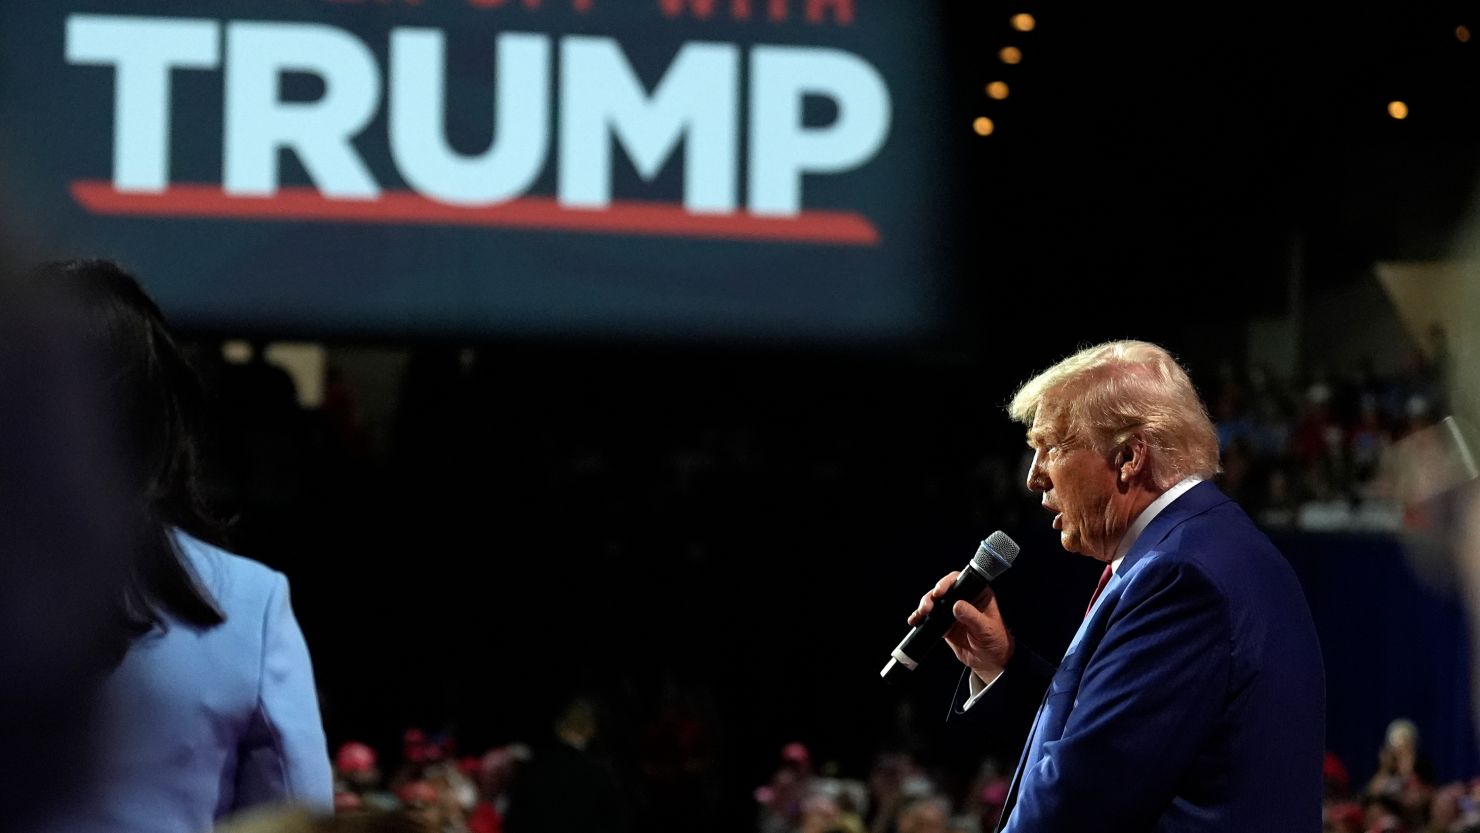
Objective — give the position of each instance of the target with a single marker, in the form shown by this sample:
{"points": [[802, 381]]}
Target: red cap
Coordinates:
{"points": [[354, 757], [414, 746], [1332, 769], [795, 753]]}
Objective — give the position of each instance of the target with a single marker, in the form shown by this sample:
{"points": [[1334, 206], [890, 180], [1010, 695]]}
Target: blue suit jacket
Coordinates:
{"points": [[1192, 697], [200, 723]]}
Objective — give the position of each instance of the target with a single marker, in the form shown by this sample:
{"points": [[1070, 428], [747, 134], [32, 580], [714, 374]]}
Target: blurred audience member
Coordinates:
{"points": [[1334, 774], [895, 781], [355, 766], [820, 814], [782, 799], [1445, 812], [421, 802], [496, 773], [433, 805], [924, 815], [564, 788], [988, 795], [1404, 778], [1384, 815], [357, 774], [1347, 817], [1400, 766]]}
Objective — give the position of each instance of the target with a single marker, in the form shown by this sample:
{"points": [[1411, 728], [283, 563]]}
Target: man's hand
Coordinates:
{"points": [[980, 638]]}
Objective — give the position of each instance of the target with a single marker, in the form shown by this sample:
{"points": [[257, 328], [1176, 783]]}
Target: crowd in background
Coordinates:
{"points": [[900, 797], [1302, 452], [1402, 796], [1309, 452], [516, 788], [510, 789]]}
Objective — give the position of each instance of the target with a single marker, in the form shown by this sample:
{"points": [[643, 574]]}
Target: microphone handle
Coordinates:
{"points": [[925, 635]]}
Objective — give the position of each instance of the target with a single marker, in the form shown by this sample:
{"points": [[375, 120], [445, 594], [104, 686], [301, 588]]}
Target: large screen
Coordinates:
{"points": [[745, 168]]}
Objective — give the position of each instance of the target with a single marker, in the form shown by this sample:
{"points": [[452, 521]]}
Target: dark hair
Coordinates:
{"points": [[156, 403]]}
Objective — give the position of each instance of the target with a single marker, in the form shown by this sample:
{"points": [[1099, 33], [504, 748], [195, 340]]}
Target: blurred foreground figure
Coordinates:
{"points": [[210, 704], [62, 516]]}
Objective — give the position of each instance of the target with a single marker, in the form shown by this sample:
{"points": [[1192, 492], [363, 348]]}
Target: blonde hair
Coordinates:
{"points": [[1114, 391]]}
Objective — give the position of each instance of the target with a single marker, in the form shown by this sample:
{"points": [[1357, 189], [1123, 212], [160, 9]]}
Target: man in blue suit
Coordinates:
{"points": [[1192, 697]]}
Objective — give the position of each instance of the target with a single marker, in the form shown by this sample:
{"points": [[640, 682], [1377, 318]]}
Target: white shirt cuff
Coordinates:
{"points": [[978, 688]]}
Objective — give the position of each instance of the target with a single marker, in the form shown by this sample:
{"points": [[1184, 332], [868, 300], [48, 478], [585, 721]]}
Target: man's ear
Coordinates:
{"points": [[1131, 458]]}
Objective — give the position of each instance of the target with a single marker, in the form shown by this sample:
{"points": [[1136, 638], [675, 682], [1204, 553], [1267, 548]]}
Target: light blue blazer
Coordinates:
{"points": [[201, 723]]}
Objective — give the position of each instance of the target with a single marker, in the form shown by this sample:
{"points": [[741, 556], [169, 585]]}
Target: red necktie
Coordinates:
{"points": [[1104, 580]]}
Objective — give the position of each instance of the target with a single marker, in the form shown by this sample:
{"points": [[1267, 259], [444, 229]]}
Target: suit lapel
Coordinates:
{"points": [[1197, 500]]}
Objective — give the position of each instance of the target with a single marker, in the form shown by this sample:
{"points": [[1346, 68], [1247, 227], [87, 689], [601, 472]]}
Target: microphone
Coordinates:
{"points": [[992, 559]]}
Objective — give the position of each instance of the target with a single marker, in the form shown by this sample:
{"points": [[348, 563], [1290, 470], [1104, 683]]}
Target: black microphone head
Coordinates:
{"points": [[995, 555]]}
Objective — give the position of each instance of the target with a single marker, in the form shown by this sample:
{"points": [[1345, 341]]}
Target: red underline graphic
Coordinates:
{"points": [[543, 213]]}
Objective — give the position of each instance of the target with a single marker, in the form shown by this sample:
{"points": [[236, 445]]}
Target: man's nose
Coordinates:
{"points": [[1037, 482]]}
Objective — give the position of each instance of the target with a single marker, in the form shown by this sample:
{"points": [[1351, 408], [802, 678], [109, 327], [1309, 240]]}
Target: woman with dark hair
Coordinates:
{"points": [[211, 707]]}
